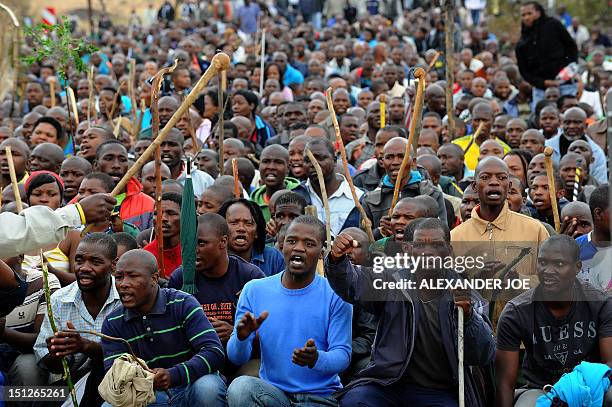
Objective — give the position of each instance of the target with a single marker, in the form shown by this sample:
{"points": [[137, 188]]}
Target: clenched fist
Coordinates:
{"points": [[343, 245]]}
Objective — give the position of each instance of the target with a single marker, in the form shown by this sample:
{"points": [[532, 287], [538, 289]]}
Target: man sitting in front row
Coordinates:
{"points": [[168, 330], [561, 322], [304, 329]]}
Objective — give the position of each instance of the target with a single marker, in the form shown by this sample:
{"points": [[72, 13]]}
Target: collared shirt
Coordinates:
{"points": [[340, 204], [270, 261], [68, 305], [200, 180], [175, 335]]}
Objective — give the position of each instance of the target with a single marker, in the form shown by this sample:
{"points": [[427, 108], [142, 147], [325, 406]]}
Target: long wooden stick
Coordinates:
{"points": [[220, 62], [460, 353], [138, 124], [221, 113], [416, 114], [262, 62], [14, 184], [73, 105], [366, 223], [383, 111], [433, 62], [235, 174], [52, 90], [474, 137], [91, 105], [155, 89], [115, 100], [132, 95], [449, 41], [323, 198], [548, 152], [65, 367]]}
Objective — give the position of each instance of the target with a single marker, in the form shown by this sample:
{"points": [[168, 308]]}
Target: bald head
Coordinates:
{"points": [[137, 259], [491, 148], [46, 156], [491, 163], [275, 151]]}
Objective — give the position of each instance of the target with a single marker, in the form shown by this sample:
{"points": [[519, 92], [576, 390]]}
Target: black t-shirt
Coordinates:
{"points": [[555, 346], [219, 296]]}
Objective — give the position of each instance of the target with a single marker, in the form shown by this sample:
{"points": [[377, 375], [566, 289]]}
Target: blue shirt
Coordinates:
{"points": [[295, 316], [292, 76], [248, 17], [175, 335], [270, 261]]}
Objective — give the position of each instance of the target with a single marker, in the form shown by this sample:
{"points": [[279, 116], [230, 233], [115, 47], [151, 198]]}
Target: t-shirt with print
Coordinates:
{"points": [[219, 296], [555, 346], [596, 263]]}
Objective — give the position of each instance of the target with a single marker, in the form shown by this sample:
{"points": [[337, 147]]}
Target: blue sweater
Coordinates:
{"points": [[295, 316]]}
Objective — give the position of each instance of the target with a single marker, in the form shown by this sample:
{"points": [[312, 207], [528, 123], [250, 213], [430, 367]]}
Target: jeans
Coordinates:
{"points": [[252, 391], [475, 16], [209, 390], [538, 94], [400, 394]]}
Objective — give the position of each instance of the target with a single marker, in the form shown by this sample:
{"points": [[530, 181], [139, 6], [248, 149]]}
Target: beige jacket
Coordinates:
{"points": [[35, 228]]}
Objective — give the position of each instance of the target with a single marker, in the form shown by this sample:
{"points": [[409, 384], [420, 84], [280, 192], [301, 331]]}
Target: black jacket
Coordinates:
{"points": [[398, 318], [369, 179], [543, 50]]}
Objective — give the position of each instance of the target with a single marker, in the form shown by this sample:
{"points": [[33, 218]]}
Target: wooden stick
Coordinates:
{"points": [[262, 62], [117, 127], [433, 62], [460, 353], [65, 367], [115, 99], [449, 41], [220, 62], [474, 137], [323, 198], [52, 90], [548, 152], [237, 187], [383, 108], [138, 124], [14, 184], [91, 105], [222, 90], [73, 104], [132, 94], [366, 223], [416, 114]]}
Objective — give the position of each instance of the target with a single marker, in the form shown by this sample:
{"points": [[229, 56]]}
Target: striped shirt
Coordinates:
{"points": [[175, 335]]}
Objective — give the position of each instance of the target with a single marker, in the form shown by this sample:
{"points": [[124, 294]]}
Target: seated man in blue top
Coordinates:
{"points": [[300, 362], [168, 330]]}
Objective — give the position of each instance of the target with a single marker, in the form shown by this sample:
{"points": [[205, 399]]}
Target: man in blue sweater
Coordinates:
{"points": [[168, 330], [304, 329]]}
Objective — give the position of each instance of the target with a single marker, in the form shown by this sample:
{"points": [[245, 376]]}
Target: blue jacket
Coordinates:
{"points": [[398, 320], [598, 168], [263, 131], [585, 386]]}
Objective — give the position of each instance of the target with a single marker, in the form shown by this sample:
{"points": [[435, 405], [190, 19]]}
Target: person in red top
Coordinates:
{"points": [[171, 230], [134, 206]]}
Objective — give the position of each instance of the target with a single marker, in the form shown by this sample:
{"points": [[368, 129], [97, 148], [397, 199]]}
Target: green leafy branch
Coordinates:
{"points": [[56, 43]]}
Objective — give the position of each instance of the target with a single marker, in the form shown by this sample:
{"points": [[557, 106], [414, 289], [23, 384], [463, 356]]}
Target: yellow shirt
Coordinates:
{"points": [[471, 156]]}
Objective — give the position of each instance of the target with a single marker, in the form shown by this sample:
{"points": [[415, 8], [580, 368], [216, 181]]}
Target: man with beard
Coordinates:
{"points": [[92, 138], [416, 366], [574, 126], [171, 229], [368, 179], [273, 169], [561, 323], [82, 305], [46, 156], [172, 153], [133, 205], [72, 172], [343, 212], [296, 157], [147, 177], [168, 329], [219, 276], [377, 203], [373, 118], [321, 322]]}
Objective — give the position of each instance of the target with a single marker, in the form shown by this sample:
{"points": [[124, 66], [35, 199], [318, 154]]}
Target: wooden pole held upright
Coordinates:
{"points": [[324, 198], [236, 175], [548, 152], [14, 183]]}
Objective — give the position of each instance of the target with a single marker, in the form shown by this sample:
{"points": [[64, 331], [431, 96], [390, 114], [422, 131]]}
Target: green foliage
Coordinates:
{"points": [[56, 43]]}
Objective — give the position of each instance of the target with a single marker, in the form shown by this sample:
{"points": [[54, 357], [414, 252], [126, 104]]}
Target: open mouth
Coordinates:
{"points": [[241, 240], [270, 177], [297, 260], [538, 202], [125, 297], [166, 158], [85, 280], [494, 195], [399, 234]]}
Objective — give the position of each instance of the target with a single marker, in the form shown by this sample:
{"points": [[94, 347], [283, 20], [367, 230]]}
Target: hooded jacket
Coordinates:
{"points": [[137, 206]]}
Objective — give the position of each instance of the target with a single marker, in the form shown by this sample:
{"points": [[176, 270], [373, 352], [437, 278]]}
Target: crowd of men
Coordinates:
{"points": [[272, 315]]}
